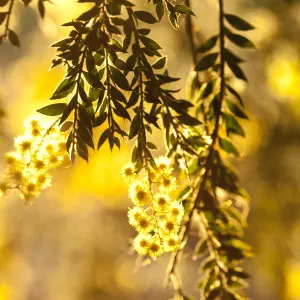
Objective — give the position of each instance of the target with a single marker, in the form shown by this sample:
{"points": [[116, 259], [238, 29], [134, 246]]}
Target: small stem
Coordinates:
{"points": [[77, 92], [209, 161], [141, 83], [9, 13], [190, 33]]}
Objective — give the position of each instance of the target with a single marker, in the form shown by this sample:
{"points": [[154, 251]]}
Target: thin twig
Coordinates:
{"points": [[173, 264], [9, 13]]}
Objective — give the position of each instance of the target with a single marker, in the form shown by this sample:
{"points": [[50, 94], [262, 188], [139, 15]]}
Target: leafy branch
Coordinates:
{"points": [[206, 208]]}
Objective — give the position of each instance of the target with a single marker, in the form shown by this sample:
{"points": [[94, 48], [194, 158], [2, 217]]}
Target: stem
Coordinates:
{"points": [[76, 107], [141, 90], [189, 30], [209, 161], [9, 13]]}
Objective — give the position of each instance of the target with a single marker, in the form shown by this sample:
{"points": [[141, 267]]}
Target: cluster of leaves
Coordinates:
{"points": [[112, 74], [216, 199], [5, 17]]}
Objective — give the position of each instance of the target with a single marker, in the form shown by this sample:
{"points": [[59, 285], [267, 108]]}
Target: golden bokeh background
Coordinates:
{"points": [[74, 242]]}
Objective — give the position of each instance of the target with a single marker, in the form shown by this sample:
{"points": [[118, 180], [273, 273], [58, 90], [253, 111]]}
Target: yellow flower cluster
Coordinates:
{"points": [[40, 149], [155, 215]]}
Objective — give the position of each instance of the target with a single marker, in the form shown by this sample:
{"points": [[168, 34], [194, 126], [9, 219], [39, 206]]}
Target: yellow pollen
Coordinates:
{"points": [[170, 226], [143, 223], [143, 243], [25, 146], [31, 187], [154, 247], [141, 195]]}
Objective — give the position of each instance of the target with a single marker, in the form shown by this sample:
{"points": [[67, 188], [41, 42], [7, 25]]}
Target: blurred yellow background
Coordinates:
{"points": [[74, 242]]}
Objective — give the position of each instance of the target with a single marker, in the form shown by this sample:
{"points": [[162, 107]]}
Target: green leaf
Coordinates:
{"points": [[41, 8], [103, 138], [160, 63], [117, 95], [232, 125], [123, 2], [93, 80], [144, 31], [235, 94], [83, 95], [231, 57], [214, 294], [2, 17], [53, 109], [82, 149], [183, 9], [13, 38], [160, 9], [70, 107], [236, 110], [66, 126], [188, 120], [207, 90], [119, 79], [135, 125], [149, 43], [151, 146], [3, 2], [208, 45], [237, 71], [238, 23], [145, 17], [85, 134], [240, 40], [206, 62], [63, 89], [228, 147]]}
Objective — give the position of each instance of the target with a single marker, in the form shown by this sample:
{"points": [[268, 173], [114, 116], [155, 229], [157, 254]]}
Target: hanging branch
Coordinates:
{"points": [[207, 208]]}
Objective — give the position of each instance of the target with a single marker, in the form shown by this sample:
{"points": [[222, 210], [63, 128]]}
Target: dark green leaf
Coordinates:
{"points": [[236, 110], [2, 17], [63, 89], [160, 63], [188, 120], [119, 78], [85, 134], [145, 17], [103, 138], [232, 125], [117, 95], [13, 38], [160, 9], [228, 147], [123, 2], [208, 45], [82, 149], [206, 62], [41, 8], [183, 9], [149, 43], [240, 40], [3, 2], [238, 23], [53, 109], [66, 126], [235, 94], [237, 71], [231, 57]]}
